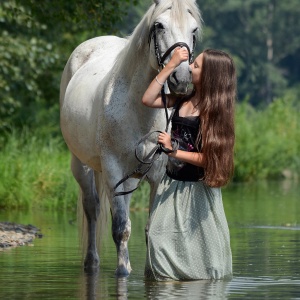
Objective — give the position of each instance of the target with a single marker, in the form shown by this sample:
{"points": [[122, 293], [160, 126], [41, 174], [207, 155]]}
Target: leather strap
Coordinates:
{"points": [[146, 163]]}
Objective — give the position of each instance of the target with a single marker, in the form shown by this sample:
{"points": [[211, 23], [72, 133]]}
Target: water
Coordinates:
{"points": [[265, 238]]}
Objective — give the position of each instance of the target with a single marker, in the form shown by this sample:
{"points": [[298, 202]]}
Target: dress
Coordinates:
{"points": [[187, 233]]}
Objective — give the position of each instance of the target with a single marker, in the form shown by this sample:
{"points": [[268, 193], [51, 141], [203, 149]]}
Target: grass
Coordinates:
{"points": [[35, 171]]}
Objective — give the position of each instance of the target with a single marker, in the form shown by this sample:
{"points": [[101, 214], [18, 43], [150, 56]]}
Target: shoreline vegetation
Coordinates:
{"points": [[35, 169]]}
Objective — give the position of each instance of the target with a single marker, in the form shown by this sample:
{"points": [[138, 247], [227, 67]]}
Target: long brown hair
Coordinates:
{"points": [[217, 93]]}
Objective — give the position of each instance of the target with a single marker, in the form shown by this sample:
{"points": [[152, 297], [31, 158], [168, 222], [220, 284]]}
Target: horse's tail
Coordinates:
{"points": [[102, 221]]}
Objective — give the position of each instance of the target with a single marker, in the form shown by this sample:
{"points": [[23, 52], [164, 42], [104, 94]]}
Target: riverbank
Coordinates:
{"points": [[14, 235]]}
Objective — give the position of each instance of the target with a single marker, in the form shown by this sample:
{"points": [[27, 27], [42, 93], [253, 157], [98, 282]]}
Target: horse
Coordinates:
{"points": [[102, 117]]}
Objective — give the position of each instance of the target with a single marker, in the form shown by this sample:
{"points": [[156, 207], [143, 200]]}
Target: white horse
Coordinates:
{"points": [[102, 117]]}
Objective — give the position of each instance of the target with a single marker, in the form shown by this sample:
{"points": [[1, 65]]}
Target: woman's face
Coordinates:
{"points": [[197, 68]]}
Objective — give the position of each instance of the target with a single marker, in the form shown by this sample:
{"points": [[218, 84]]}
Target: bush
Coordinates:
{"points": [[267, 141]]}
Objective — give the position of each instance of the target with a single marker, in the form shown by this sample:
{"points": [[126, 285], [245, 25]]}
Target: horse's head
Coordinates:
{"points": [[174, 23]]}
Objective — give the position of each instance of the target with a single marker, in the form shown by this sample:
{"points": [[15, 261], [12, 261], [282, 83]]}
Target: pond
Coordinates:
{"points": [[265, 239]]}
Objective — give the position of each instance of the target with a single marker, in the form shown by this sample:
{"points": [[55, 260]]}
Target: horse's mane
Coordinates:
{"points": [[139, 38]]}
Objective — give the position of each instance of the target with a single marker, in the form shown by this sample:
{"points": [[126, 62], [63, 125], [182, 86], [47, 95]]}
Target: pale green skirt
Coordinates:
{"points": [[187, 233]]}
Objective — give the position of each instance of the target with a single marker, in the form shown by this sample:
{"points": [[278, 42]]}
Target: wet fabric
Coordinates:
{"points": [[187, 233]]}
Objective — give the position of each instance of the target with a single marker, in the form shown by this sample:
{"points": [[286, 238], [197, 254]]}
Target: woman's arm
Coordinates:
{"points": [[152, 96], [194, 158]]}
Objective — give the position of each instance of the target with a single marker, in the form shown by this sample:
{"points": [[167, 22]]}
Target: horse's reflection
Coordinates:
{"points": [[93, 288], [91, 285], [122, 290]]}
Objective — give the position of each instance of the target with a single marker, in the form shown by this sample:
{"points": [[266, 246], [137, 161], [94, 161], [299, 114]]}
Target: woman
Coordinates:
{"points": [[187, 234]]}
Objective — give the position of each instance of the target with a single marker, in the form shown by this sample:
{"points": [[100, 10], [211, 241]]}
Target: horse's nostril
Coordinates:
{"points": [[175, 78]]}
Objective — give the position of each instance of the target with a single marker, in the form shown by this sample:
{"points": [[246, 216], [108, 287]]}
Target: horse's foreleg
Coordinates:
{"points": [[121, 229], [91, 206]]}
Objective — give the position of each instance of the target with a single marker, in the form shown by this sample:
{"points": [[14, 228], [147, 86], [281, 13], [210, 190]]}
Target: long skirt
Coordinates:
{"points": [[187, 233]]}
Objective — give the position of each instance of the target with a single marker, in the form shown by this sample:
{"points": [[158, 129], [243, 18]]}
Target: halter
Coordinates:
{"points": [[146, 163], [161, 59]]}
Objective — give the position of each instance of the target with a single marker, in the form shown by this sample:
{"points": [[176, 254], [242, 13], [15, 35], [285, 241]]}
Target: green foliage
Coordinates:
{"points": [[36, 40], [264, 38], [267, 141], [35, 172], [93, 14], [140, 197], [25, 60]]}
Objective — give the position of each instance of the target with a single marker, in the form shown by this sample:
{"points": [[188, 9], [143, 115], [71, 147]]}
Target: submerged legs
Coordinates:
{"points": [[121, 229], [121, 225], [91, 206]]}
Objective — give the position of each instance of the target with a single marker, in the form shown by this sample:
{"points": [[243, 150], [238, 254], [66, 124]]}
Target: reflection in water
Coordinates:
{"points": [[258, 288], [94, 286], [122, 290], [265, 240], [192, 290], [91, 285]]}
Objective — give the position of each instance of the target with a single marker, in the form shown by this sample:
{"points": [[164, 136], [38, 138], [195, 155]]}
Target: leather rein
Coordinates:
{"points": [[146, 163]]}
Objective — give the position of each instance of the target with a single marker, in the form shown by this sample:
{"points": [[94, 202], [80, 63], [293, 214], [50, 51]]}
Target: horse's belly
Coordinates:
{"points": [[79, 112]]}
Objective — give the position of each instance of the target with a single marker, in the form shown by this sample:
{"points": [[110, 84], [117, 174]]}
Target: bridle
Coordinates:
{"points": [[161, 58], [145, 163]]}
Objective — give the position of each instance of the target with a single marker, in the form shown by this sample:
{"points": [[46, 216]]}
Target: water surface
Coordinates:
{"points": [[265, 239]]}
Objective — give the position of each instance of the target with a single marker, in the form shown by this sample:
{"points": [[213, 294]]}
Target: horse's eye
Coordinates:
{"points": [[159, 26], [195, 30]]}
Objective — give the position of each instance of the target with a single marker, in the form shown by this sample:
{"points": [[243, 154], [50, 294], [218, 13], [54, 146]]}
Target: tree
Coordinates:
{"points": [[264, 38], [36, 39]]}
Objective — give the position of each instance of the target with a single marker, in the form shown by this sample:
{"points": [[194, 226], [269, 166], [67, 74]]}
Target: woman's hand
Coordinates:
{"points": [[194, 158], [152, 97], [179, 55], [165, 140]]}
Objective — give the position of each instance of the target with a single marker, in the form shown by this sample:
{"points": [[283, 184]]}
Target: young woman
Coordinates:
{"points": [[187, 234]]}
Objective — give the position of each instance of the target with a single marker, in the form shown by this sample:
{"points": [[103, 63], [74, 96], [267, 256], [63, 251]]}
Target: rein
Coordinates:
{"points": [[146, 163]]}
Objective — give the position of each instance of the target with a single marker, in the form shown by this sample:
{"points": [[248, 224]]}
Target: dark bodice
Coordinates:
{"points": [[185, 131]]}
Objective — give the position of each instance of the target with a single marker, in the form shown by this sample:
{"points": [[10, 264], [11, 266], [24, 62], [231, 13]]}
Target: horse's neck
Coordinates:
{"points": [[141, 74], [135, 80], [150, 119], [138, 76]]}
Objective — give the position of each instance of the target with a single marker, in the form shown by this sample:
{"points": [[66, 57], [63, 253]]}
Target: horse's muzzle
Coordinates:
{"points": [[179, 89]]}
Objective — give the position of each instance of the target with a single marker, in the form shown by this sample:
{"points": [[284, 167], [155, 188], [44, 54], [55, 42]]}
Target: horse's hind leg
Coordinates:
{"points": [[91, 206]]}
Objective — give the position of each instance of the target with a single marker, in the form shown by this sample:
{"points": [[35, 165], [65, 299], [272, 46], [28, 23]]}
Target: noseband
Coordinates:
{"points": [[161, 59]]}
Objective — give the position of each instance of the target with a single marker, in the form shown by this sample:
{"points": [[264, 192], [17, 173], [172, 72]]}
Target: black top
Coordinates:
{"points": [[185, 131]]}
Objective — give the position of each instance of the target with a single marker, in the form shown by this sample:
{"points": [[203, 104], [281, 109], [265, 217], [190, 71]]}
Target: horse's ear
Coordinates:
{"points": [[156, 1]]}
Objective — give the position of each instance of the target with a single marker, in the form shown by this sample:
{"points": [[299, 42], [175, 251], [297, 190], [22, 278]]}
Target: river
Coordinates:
{"points": [[265, 238]]}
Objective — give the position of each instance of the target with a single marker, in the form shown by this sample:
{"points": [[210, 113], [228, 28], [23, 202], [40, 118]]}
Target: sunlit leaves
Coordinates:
{"points": [[36, 39]]}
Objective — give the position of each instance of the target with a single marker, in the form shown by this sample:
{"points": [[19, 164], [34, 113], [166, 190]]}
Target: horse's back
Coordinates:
{"points": [[103, 47], [85, 70]]}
